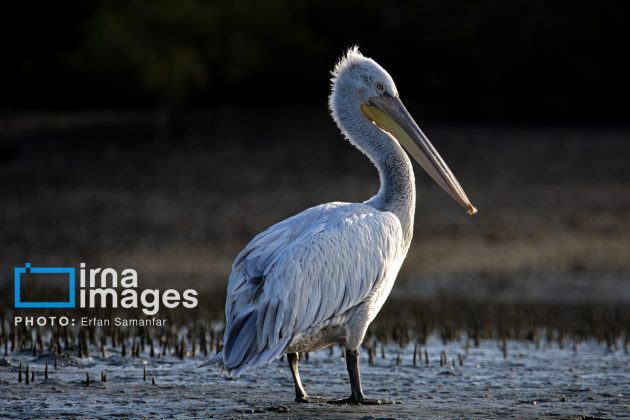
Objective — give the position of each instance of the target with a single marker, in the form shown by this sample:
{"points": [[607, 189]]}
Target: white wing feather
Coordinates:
{"points": [[301, 272]]}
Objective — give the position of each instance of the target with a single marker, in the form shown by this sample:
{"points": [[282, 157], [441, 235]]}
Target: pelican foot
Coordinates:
{"points": [[360, 401], [309, 399]]}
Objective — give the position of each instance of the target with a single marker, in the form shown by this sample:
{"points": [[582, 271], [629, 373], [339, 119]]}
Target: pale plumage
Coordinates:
{"points": [[285, 285], [321, 276]]}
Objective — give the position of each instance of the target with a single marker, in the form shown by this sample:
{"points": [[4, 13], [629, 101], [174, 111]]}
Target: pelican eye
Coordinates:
{"points": [[379, 86]]}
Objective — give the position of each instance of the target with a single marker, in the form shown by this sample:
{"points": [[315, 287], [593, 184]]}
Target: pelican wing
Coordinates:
{"points": [[301, 272]]}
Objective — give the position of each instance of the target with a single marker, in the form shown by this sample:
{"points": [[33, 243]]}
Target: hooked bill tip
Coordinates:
{"points": [[472, 210]]}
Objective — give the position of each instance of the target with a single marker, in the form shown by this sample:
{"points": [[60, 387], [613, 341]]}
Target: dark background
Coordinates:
{"points": [[560, 61], [163, 135]]}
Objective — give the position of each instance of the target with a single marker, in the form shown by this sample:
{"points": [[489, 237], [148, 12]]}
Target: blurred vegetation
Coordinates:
{"points": [[561, 60]]}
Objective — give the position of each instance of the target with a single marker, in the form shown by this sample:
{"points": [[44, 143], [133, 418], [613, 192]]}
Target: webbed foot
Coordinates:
{"points": [[309, 399], [352, 399]]}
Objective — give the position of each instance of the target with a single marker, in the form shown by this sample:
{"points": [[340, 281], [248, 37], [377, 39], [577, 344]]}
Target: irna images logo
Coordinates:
{"points": [[98, 288]]}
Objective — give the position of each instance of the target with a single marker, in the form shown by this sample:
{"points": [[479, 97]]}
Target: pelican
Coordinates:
{"points": [[320, 277]]}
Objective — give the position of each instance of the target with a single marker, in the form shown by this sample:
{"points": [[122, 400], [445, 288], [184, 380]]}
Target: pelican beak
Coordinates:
{"points": [[391, 116]]}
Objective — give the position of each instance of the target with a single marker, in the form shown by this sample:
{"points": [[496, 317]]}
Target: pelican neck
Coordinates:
{"points": [[397, 192]]}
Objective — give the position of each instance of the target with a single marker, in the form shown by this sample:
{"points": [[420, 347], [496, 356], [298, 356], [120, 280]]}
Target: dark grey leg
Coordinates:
{"points": [[356, 395]]}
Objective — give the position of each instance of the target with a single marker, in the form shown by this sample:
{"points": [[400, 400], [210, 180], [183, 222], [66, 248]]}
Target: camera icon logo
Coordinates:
{"points": [[19, 279]]}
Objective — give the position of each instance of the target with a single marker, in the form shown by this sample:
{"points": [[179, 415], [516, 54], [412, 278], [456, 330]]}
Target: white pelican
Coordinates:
{"points": [[320, 277]]}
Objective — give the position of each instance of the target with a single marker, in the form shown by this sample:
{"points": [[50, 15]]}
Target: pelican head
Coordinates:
{"points": [[367, 89]]}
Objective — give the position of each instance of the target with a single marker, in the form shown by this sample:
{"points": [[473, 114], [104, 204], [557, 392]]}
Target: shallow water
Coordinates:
{"points": [[542, 380]]}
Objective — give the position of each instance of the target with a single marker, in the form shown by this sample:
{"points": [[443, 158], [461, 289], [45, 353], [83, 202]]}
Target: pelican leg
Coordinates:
{"points": [[356, 396], [300, 394]]}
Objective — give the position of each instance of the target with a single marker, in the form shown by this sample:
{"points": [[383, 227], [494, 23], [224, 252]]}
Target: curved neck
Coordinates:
{"points": [[397, 193]]}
